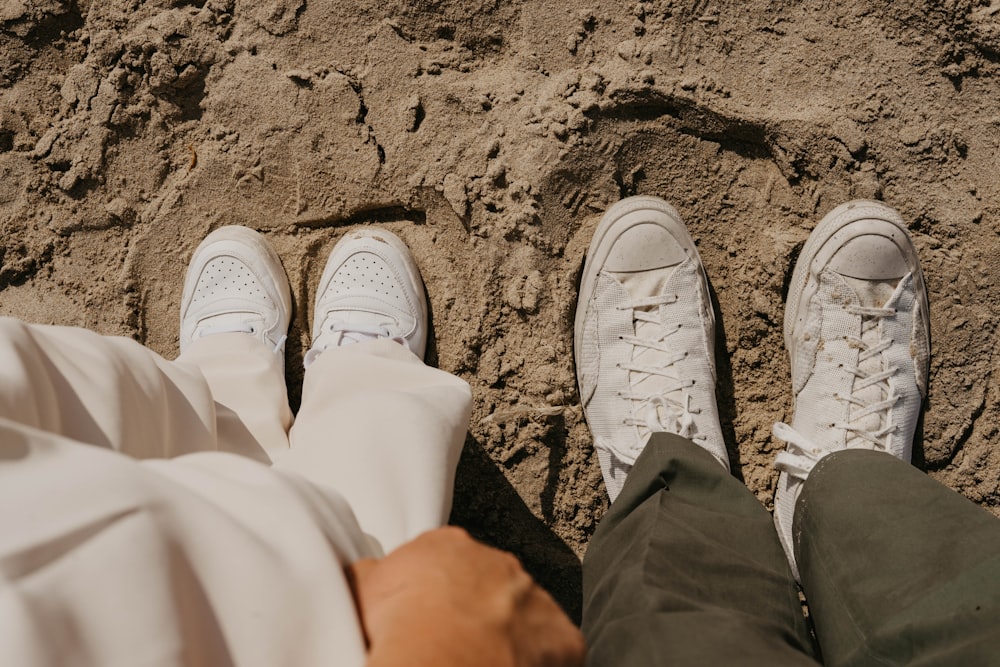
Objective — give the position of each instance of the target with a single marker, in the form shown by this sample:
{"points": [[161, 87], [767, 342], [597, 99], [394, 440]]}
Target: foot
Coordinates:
{"points": [[236, 284], [644, 338], [857, 331], [370, 289]]}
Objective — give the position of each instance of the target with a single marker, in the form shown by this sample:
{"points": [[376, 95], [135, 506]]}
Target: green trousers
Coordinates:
{"points": [[686, 569]]}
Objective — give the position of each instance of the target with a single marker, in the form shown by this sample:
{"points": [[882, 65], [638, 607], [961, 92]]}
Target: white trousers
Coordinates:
{"points": [[197, 556]]}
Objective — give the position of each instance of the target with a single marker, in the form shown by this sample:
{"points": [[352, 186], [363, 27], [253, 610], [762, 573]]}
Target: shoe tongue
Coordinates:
{"points": [[871, 394], [642, 284], [870, 294]]}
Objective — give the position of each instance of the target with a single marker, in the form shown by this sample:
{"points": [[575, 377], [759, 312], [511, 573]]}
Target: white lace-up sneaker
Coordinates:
{"points": [[370, 289], [235, 284], [644, 338], [857, 332]]}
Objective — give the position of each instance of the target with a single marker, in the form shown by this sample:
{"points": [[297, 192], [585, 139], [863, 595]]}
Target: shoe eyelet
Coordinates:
{"points": [[252, 331]]}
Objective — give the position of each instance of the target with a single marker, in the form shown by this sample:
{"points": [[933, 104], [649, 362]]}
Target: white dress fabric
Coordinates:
{"points": [[142, 523]]}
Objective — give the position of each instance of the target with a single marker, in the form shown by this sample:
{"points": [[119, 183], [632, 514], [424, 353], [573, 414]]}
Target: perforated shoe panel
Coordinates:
{"points": [[364, 271], [225, 275]]}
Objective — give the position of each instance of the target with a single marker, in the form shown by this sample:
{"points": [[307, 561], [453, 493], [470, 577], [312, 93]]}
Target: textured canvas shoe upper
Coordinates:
{"points": [[857, 331], [235, 284], [644, 337], [370, 289]]}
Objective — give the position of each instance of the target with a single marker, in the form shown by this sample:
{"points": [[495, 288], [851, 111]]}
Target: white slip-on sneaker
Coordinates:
{"points": [[858, 335], [644, 337], [370, 289], [235, 284]]}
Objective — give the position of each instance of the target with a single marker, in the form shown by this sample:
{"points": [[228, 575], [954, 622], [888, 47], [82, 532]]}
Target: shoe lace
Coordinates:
{"points": [[802, 454], [676, 415], [348, 333], [243, 327], [359, 333]]}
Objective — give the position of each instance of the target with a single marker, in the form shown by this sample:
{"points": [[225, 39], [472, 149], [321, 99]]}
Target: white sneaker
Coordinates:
{"points": [[857, 332], [235, 284], [644, 338], [370, 289]]}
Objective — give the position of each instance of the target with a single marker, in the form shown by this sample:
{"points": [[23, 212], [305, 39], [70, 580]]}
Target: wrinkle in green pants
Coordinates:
{"points": [[686, 568]]}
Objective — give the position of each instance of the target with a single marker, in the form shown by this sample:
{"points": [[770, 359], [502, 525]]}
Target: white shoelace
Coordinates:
{"points": [[802, 454], [359, 333], [647, 413], [243, 327], [348, 333]]}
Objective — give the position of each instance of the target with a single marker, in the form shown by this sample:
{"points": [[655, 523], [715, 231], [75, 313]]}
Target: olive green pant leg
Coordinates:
{"points": [[898, 569], [686, 569]]}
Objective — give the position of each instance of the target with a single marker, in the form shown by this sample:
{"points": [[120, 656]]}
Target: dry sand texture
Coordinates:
{"points": [[490, 136]]}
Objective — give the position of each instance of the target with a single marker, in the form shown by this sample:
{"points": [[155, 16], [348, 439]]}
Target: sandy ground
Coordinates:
{"points": [[490, 136]]}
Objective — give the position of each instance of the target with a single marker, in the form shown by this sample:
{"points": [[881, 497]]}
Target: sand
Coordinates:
{"points": [[490, 136]]}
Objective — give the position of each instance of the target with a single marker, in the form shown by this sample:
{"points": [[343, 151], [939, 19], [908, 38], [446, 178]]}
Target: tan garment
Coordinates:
{"points": [[207, 558]]}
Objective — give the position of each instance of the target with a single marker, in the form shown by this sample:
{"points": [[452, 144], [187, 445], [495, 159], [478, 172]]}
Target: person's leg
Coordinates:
{"points": [[896, 569], [686, 569], [899, 569], [110, 392], [235, 311], [857, 333], [376, 423], [247, 382], [226, 392], [203, 559]]}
